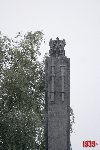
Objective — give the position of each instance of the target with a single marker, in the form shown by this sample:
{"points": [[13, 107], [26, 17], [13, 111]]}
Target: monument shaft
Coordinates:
{"points": [[57, 70]]}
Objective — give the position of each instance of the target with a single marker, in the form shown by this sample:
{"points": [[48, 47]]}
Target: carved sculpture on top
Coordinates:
{"points": [[57, 47]]}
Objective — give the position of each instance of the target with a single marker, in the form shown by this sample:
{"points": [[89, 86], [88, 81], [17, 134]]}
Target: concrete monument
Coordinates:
{"points": [[57, 97]]}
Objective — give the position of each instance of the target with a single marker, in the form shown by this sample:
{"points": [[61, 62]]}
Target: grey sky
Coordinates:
{"points": [[77, 21]]}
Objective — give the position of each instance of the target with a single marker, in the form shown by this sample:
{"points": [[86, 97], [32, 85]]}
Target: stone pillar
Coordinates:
{"points": [[57, 71]]}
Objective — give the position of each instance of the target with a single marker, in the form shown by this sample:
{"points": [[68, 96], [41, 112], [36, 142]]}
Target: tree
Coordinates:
{"points": [[22, 93]]}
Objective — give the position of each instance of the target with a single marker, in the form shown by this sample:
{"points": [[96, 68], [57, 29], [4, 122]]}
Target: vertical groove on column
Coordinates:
{"points": [[52, 81], [62, 80]]}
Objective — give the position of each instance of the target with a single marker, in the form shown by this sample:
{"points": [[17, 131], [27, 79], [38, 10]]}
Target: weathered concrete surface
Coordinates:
{"points": [[57, 70]]}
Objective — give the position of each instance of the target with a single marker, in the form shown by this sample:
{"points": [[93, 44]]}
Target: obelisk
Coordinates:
{"points": [[57, 97]]}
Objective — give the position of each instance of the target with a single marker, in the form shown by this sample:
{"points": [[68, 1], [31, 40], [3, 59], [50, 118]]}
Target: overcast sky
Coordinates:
{"points": [[78, 22]]}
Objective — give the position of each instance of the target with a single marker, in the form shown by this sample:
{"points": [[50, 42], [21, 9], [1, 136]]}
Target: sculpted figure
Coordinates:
{"points": [[57, 47]]}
